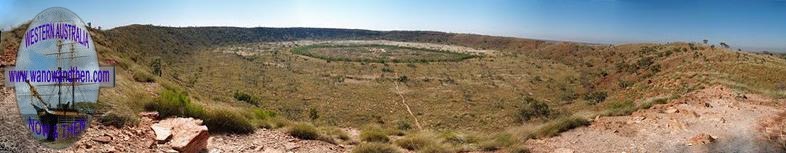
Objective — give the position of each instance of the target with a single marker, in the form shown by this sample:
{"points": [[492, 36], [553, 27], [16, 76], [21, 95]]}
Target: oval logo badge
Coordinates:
{"points": [[54, 77]]}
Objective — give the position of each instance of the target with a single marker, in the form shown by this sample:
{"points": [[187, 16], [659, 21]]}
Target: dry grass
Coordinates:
{"points": [[417, 141], [304, 131], [374, 134], [559, 125], [497, 142]]}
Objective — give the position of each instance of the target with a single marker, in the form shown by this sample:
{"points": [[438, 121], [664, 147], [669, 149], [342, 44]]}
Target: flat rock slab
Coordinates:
{"points": [[162, 133], [188, 134]]}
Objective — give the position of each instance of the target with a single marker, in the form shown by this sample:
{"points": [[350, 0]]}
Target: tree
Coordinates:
{"points": [[724, 45], [705, 41], [156, 65]]}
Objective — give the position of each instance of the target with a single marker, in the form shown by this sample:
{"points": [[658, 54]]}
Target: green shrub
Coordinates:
{"points": [[655, 68], [497, 142], [374, 134], [532, 108], [595, 97], [280, 122], [304, 131], [458, 138], [336, 133], [193, 110], [244, 97], [387, 69], [374, 148], [156, 66], [415, 142], [227, 121], [560, 125], [262, 114], [313, 114], [621, 108], [175, 103], [568, 95], [403, 125], [402, 78], [644, 62]]}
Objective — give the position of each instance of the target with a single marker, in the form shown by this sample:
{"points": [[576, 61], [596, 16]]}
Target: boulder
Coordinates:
{"points": [[188, 134]]}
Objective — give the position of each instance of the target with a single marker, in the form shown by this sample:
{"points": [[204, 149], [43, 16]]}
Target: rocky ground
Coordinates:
{"points": [[14, 137], [714, 119]]}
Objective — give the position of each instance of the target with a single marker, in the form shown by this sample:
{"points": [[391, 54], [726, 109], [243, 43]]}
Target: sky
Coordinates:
{"points": [[748, 24]]}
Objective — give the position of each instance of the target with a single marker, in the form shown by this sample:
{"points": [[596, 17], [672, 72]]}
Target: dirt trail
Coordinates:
{"points": [[728, 118], [404, 102], [270, 141]]}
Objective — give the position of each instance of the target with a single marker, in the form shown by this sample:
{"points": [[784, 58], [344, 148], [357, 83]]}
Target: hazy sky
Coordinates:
{"points": [[752, 24]]}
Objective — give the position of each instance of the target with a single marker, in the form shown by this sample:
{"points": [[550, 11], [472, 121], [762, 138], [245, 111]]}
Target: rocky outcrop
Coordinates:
{"points": [[187, 134]]}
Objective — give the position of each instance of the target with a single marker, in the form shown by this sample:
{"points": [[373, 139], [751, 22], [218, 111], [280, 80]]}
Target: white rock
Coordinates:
{"points": [[162, 133]]}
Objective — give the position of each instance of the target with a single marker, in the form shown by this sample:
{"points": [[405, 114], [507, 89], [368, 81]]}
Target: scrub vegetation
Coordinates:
{"points": [[240, 79]]}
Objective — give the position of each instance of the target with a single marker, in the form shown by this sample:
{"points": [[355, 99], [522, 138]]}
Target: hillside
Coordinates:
{"points": [[508, 91]]}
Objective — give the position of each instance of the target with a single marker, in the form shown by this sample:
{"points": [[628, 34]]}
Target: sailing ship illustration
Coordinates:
{"points": [[62, 112]]}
